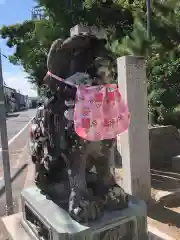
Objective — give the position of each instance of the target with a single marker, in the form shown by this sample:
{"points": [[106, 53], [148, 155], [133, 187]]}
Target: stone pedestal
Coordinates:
{"points": [[134, 144], [99, 33], [41, 214], [176, 163], [164, 147]]}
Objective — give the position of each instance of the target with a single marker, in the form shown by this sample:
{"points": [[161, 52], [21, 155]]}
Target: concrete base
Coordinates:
{"points": [[15, 231], [57, 224], [176, 163]]}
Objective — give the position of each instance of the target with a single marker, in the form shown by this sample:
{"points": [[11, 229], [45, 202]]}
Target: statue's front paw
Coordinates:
{"points": [[84, 210], [116, 198]]}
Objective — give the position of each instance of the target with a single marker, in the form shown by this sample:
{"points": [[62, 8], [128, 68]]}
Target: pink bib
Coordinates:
{"points": [[100, 113]]}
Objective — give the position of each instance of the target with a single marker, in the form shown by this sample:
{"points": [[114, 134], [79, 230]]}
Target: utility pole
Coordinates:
{"points": [[5, 149], [148, 29], [81, 4], [148, 8]]}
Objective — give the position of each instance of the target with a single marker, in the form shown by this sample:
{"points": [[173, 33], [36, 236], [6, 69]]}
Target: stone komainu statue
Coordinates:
{"points": [[65, 149]]}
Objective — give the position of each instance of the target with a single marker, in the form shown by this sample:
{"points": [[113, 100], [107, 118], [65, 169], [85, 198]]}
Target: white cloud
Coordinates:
{"points": [[19, 82]]}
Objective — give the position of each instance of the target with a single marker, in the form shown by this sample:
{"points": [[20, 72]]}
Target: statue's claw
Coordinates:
{"points": [[116, 198], [84, 210]]}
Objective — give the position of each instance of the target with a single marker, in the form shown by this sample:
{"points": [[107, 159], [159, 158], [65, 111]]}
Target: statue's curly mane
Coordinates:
{"points": [[81, 53]]}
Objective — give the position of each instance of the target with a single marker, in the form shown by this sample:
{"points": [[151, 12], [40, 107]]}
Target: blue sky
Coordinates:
{"points": [[11, 12]]}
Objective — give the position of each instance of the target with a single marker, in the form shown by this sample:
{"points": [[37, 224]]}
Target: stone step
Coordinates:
{"points": [[156, 234]]}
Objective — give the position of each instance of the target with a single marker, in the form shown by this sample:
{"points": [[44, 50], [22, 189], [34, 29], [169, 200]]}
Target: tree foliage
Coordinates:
{"points": [[125, 23], [32, 39]]}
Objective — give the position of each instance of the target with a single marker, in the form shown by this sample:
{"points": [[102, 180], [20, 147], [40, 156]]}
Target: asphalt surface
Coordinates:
{"points": [[16, 121]]}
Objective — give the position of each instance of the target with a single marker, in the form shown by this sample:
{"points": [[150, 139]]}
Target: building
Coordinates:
{"points": [[21, 101], [38, 13], [14, 101], [32, 102], [10, 101]]}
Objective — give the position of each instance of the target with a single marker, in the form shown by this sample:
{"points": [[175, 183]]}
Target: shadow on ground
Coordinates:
{"points": [[10, 115], [160, 213], [165, 180], [15, 198], [163, 211], [13, 178], [166, 210]]}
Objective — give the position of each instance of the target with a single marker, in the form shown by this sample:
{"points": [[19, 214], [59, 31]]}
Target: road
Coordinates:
{"points": [[17, 121]]}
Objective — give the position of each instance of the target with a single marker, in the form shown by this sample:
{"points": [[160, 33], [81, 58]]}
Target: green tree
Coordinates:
{"points": [[32, 39], [125, 23], [162, 57]]}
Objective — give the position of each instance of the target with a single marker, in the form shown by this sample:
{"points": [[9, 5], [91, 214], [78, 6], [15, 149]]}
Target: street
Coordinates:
{"points": [[17, 121]]}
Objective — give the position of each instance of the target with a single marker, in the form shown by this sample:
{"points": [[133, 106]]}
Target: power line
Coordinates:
{"points": [[4, 55]]}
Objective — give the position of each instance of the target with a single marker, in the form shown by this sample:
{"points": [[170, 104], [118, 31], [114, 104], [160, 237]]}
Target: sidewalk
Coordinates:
{"points": [[164, 212], [165, 220], [16, 149], [3, 232], [25, 179]]}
